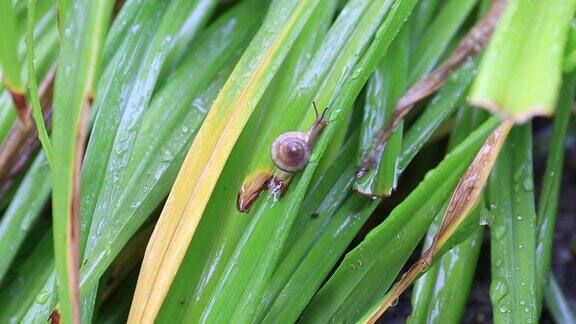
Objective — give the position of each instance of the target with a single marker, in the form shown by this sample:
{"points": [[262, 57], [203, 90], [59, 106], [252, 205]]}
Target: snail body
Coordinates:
{"points": [[291, 151]]}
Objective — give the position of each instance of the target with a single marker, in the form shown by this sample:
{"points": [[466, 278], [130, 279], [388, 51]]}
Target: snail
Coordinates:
{"points": [[291, 151]]}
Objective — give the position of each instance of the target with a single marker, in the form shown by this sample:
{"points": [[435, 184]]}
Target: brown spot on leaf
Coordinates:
{"points": [[54, 317]]}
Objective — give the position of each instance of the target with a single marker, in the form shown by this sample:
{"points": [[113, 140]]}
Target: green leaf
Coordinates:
{"points": [[62, 12], [513, 232], [438, 36], [146, 141], [551, 184], [378, 172], [520, 73], [24, 209], [441, 294], [28, 290], [557, 303], [167, 129], [33, 86], [120, 28], [385, 87], [10, 62], [79, 56], [211, 148], [570, 56], [326, 193], [423, 14]]}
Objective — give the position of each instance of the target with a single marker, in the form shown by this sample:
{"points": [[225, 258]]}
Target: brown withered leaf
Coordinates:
{"points": [[464, 199], [472, 44]]}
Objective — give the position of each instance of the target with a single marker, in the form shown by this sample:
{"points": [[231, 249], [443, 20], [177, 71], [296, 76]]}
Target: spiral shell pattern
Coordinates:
{"points": [[290, 151]]}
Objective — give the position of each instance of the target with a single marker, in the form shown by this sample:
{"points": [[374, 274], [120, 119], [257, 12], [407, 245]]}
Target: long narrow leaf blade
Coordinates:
{"points": [[551, 185], [23, 211], [81, 44], [513, 233], [33, 86]]}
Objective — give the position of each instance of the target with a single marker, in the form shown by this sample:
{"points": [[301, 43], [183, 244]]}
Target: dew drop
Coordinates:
{"points": [[167, 156], [503, 309], [500, 289], [356, 74], [500, 231], [380, 31], [42, 297], [527, 184]]}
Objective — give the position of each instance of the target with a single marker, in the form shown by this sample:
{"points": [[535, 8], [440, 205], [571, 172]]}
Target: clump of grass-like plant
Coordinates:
{"points": [[150, 125]]}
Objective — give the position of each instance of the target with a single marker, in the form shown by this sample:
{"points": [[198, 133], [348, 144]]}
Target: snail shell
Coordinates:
{"points": [[290, 151]]}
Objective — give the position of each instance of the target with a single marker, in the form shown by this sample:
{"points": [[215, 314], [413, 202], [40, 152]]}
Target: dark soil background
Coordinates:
{"points": [[479, 309]]}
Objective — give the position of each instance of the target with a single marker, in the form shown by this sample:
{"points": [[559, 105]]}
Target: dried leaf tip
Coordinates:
{"points": [[251, 189], [255, 185], [464, 198]]}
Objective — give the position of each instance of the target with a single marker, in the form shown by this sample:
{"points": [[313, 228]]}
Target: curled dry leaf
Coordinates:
{"points": [[464, 199], [474, 41]]}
